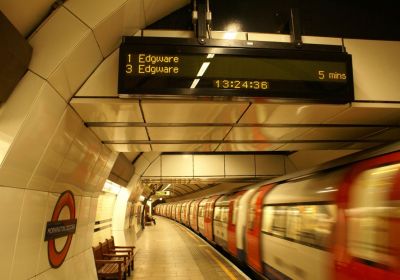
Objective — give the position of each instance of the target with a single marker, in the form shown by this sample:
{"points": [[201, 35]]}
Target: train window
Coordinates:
{"points": [[370, 211], [279, 221], [293, 222], [224, 214], [201, 211], [268, 213], [252, 212], [217, 213]]}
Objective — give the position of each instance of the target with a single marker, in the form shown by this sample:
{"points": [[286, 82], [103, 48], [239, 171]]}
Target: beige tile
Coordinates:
{"points": [[11, 200], [30, 235]]}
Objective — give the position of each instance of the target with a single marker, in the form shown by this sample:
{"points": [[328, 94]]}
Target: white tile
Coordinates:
{"points": [[248, 147], [240, 165], [78, 163], [30, 235], [92, 17], [265, 133], [104, 81], [73, 71], [33, 138], [120, 133], [209, 165], [70, 175], [291, 113], [154, 169], [192, 112], [11, 200], [155, 9], [177, 165], [97, 169], [127, 20], [107, 110], [364, 113], [81, 238], [43, 264], [375, 69], [14, 111], [207, 147], [338, 133], [47, 169], [188, 133], [50, 46], [129, 147], [311, 146], [270, 165]]}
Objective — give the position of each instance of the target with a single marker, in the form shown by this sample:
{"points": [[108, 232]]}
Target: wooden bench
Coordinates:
{"points": [[116, 255], [109, 266], [119, 249]]}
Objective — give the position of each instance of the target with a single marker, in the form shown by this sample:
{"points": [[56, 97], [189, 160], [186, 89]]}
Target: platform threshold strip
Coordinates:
{"points": [[208, 251]]}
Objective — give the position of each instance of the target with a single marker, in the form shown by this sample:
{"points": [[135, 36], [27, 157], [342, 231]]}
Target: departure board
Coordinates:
{"points": [[150, 67]]}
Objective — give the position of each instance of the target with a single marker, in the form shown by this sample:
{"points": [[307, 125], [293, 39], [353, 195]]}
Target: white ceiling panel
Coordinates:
{"points": [[127, 148], [188, 133], [376, 69], [291, 113], [360, 146], [107, 110], [311, 146], [184, 147], [192, 111], [361, 113], [265, 133], [248, 147], [104, 80], [120, 133], [338, 133], [388, 134]]}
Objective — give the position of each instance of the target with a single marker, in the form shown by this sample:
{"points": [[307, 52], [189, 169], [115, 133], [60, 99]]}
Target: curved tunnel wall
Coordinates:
{"points": [[45, 148]]}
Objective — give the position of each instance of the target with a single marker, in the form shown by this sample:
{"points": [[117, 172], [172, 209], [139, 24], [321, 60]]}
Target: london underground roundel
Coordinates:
{"points": [[57, 228]]}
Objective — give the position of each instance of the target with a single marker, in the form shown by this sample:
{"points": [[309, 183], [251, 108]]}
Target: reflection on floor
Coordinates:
{"points": [[170, 251]]}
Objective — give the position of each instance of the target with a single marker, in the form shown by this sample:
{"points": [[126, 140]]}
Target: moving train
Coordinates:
{"points": [[338, 222]]}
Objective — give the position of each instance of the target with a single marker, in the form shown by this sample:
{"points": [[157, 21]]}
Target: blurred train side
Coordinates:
{"points": [[342, 223]]}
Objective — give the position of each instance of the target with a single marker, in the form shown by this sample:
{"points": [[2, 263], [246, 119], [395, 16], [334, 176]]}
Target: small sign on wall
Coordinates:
{"points": [[59, 228]]}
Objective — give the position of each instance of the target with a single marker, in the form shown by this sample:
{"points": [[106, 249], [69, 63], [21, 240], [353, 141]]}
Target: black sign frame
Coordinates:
{"points": [[289, 91]]}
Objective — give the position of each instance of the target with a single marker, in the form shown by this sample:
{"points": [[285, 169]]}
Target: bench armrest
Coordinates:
{"points": [[108, 261]]}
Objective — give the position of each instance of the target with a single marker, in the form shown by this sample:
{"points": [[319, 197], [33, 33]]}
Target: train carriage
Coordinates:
{"points": [[220, 225]]}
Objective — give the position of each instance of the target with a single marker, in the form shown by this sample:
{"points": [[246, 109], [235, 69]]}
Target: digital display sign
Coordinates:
{"points": [[150, 67]]}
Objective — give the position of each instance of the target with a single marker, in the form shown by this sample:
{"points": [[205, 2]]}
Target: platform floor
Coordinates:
{"points": [[168, 250]]}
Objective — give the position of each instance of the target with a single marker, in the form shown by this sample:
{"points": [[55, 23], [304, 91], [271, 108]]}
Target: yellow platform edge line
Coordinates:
{"points": [[224, 268]]}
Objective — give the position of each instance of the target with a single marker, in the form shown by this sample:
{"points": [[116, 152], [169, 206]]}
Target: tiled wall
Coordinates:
{"points": [[44, 147], [46, 150], [104, 213]]}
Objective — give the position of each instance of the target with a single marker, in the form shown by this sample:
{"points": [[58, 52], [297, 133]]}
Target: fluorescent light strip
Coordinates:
{"points": [[210, 55], [195, 82], [168, 184], [203, 69]]}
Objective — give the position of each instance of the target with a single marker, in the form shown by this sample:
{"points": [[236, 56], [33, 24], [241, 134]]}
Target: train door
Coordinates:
{"points": [[241, 223], [201, 214], [194, 207], [209, 218], [253, 229], [232, 219], [367, 244]]}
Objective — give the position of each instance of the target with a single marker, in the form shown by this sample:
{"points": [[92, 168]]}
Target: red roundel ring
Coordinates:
{"points": [[56, 258]]}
